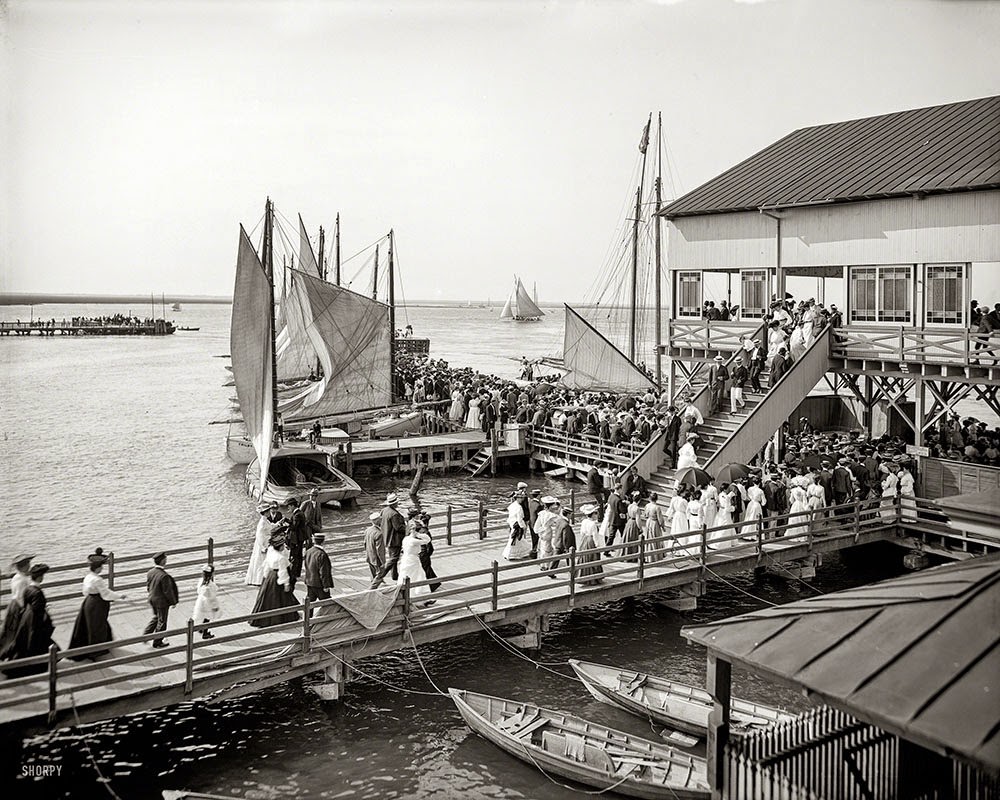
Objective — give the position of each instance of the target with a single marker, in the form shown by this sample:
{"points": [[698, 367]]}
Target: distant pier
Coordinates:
{"points": [[155, 327]]}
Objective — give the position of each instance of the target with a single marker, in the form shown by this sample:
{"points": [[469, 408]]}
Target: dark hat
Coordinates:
{"points": [[277, 539], [97, 557], [38, 570], [159, 557]]}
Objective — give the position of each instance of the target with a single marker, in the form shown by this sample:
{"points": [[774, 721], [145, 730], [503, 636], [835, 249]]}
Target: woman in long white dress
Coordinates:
{"points": [[206, 604], [653, 528], [817, 496], [890, 486], [907, 497], [457, 412], [473, 420], [687, 457], [756, 503], [545, 529], [798, 513], [710, 504], [409, 565], [696, 521], [589, 569], [775, 341], [256, 571], [721, 539], [518, 541], [677, 513], [797, 343]]}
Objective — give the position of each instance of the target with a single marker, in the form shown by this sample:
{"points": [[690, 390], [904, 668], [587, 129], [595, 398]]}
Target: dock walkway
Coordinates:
{"points": [[478, 589]]}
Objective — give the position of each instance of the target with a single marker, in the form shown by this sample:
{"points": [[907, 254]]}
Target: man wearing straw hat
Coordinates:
{"points": [[374, 543], [393, 531]]}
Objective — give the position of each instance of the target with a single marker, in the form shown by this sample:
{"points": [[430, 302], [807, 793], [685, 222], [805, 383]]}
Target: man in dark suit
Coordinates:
{"points": [[393, 531], [672, 426], [162, 591], [774, 492], [595, 485], [842, 484], [757, 360], [534, 506], [318, 574], [297, 536], [826, 481], [616, 510], [718, 374], [779, 366]]}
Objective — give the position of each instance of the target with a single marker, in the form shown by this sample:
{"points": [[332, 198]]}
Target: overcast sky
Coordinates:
{"points": [[494, 137]]}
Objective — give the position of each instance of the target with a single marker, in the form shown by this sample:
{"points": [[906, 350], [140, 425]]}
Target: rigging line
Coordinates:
{"points": [[791, 574], [86, 743], [364, 249], [402, 293], [737, 588], [413, 643], [517, 652], [393, 687]]}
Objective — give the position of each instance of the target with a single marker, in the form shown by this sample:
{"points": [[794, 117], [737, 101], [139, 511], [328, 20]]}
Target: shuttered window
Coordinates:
{"points": [[689, 294], [945, 294], [863, 294], [881, 294], [753, 293]]}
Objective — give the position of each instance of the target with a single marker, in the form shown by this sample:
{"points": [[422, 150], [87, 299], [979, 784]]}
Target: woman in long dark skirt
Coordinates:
{"points": [[632, 532], [33, 634], [19, 581], [427, 551], [276, 590], [92, 625], [589, 569]]}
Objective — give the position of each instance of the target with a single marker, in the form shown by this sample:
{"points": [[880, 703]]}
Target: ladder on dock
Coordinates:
{"points": [[479, 463]]}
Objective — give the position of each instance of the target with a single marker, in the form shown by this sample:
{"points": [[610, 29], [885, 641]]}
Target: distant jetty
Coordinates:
{"points": [[42, 298], [80, 326]]}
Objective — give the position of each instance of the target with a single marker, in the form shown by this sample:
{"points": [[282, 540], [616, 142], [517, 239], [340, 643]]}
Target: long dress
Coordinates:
{"points": [[798, 514], [255, 569], [589, 569], [756, 500], [473, 419], [545, 529], [710, 504], [907, 502], [33, 634], [775, 341], [797, 344], [630, 536], [816, 495], [518, 541], [678, 513], [276, 591], [91, 625], [409, 562], [653, 529], [18, 583], [696, 520], [206, 604], [723, 521], [686, 457], [457, 412], [890, 484]]}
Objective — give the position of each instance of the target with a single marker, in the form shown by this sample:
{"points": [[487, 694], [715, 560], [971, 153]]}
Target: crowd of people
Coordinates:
{"points": [[964, 439]]}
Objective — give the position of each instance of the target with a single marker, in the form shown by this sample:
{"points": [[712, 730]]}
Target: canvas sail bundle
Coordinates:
{"points": [[296, 356], [595, 364], [250, 349]]}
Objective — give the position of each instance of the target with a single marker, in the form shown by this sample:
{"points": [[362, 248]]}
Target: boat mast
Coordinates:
{"points": [[322, 269], [268, 253], [643, 146], [392, 323], [656, 222], [375, 276], [336, 251]]}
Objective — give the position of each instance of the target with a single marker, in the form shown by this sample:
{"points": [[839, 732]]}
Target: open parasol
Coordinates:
{"points": [[733, 472], [693, 476]]}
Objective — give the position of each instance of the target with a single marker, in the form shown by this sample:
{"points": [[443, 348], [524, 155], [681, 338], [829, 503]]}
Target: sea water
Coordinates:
{"points": [[107, 442]]}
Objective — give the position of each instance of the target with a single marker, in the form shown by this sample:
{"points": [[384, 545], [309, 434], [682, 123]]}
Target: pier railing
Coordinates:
{"points": [[704, 334], [927, 345], [583, 448], [324, 627]]}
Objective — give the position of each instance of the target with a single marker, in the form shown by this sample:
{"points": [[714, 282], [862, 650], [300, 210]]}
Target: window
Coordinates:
{"points": [[689, 294], [944, 289], [881, 294], [753, 294]]}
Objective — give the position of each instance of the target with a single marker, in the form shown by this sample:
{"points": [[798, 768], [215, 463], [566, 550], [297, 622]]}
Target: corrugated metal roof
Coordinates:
{"points": [[954, 147], [918, 656]]}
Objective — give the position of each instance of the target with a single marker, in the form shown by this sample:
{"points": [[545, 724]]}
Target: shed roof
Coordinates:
{"points": [[954, 147], [918, 655]]}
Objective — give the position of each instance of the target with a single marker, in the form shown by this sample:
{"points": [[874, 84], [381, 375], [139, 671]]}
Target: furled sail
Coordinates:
{"points": [[295, 354], [350, 334], [594, 363], [520, 305], [250, 350]]}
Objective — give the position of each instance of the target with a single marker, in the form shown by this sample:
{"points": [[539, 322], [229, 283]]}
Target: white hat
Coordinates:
{"points": [[374, 515], [522, 485], [548, 500], [390, 499], [718, 358], [588, 509]]}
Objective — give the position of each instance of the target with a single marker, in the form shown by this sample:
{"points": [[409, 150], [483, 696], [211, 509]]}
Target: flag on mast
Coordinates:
{"points": [[644, 141]]}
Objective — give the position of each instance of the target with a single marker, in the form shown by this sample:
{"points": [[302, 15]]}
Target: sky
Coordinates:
{"points": [[494, 137]]}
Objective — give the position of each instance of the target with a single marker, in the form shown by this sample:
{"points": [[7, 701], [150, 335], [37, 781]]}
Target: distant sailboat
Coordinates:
{"points": [[519, 306], [175, 307]]}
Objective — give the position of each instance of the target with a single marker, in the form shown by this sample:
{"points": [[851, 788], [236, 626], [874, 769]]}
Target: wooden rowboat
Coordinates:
{"points": [[582, 751], [676, 705]]}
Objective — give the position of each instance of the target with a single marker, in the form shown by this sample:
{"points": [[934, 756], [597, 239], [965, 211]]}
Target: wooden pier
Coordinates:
{"points": [[159, 327], [478, 590]]}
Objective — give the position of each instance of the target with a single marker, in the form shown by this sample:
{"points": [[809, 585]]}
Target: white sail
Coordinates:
{"points": [[520, 305], [307, 259], [350, 334], [296, 356], [250, 350], [594, 363], [506, 312]]}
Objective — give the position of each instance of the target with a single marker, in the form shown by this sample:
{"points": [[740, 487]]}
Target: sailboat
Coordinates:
{"points": [[175, 307], [276, 473], [519, 306]]}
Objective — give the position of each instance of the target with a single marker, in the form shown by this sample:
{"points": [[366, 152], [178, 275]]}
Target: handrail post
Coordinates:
{"points": [[572, 502], [211, 550], [572, 576], [857, 520], [406, 597], [760, 536], [306, 626], [704, 550], [111, 570], [642, 558], [494, 600], [448, 524], [53, 667], [189, 659], [482, 520]]}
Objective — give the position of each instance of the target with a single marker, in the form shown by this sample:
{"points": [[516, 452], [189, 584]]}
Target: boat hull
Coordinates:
{"points": [[240, 449], [403, 425], [294, 473], [670, 775], [674, 705]]}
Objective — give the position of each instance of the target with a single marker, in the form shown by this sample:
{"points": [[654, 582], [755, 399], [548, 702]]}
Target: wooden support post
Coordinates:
{"points": [[448, 523], [406, 598], [189, 659], [53, 667], [493, 452], [760, 536], [572, 503], [349, 462], [482, 519], [306, 627], [719, 679], [111, 570], [335, 681], [494, 587], [704, 551], [641, 569], [211, 550], [572, 577], [531, 639]]}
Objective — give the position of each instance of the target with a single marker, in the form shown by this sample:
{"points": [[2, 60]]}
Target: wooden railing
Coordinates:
{"points": [[780, 400], [906, 344], [703, 334], [584, 448], [488, 588]]}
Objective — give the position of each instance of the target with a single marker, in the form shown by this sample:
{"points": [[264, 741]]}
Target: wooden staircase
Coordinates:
{"points": [[479, 463]]}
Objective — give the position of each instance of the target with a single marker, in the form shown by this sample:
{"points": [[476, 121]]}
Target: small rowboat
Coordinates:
{"points": [[675, 705], [573, 748]]}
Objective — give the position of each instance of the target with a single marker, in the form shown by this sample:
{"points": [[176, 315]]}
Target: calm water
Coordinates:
{"points": [[107, 442]]}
